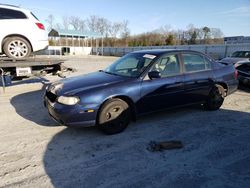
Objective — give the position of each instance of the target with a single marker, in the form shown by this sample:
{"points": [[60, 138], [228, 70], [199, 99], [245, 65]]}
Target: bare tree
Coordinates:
{"points": [[58, 26], [92, 22], [193, 34], [103, 26], [50, 20], [216, 33], [99, 25], [125, 32], [77, 23], [164, 30], [66, 22], [82, 25], [115, 29]]}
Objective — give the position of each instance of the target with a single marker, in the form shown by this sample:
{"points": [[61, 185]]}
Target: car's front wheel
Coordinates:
{"points": [[114, 116], [17, 48], [215, 98]]}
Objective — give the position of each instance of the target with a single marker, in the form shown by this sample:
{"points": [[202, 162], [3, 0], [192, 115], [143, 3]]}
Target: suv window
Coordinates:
{"points": [[11, 14], [168, 65], [195, 62]]}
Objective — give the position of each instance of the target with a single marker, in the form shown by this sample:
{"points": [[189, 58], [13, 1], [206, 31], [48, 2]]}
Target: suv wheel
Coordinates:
{"points": [[114, 116], [17, 48]]}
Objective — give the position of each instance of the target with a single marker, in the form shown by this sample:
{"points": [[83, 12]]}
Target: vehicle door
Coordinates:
{"points": [[165, 91], [198, 78]]}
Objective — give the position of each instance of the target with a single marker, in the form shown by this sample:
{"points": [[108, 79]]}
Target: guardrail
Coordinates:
{"points": [[215, 51]]}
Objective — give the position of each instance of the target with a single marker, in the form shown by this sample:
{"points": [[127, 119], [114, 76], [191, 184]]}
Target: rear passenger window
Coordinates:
{"points": [[11, 14], [194, 62]]}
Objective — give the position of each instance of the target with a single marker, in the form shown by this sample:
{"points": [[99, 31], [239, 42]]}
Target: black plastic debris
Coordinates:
{"points": [[160, 146]]}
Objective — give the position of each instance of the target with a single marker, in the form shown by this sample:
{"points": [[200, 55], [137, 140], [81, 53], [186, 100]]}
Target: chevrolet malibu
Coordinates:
{"points": [[139, 83]]}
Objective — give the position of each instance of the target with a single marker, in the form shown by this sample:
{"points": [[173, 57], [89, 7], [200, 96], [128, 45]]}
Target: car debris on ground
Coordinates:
{"points": [[165, 145]]}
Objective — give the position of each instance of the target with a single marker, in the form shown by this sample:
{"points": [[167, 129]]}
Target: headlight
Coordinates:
{"points": [[68, 100]]}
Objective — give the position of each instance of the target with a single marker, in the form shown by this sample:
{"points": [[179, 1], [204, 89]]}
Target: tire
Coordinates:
{"points": [[215, 98], [114, 116], [17, 48]]}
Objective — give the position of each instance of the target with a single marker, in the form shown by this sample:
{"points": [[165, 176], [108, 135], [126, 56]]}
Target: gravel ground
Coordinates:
{"points": [[36, 152]]}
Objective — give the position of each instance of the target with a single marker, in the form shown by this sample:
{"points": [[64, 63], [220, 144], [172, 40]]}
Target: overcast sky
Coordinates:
{"points": [[231, 16]]}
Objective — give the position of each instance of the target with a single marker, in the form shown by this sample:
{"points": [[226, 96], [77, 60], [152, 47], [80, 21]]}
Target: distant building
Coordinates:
{"points": [[236, 40]]}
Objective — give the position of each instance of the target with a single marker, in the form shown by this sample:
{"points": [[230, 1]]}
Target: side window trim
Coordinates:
{"points": [[205, 60]]}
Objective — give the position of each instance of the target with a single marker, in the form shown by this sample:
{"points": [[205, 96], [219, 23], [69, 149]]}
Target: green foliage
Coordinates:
{"points": [[170, 40], [193, 38]]}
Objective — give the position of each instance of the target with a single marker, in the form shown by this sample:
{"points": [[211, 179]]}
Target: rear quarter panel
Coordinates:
{"points": [[226, 74]]}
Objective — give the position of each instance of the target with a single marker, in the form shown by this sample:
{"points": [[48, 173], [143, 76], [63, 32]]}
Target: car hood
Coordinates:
{"points": [[233, 60], [74, 85]]}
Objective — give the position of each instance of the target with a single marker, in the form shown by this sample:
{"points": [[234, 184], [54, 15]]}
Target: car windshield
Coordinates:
{"points": [[241, 54], [131, 65]]}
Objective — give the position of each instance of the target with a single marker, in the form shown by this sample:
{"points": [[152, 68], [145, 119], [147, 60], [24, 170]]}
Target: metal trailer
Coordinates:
{"points": [[30, 66], [11, 68]]}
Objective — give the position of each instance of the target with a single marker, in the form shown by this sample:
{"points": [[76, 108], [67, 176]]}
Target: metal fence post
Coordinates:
{"points": [[225, 55], [2, 77]]}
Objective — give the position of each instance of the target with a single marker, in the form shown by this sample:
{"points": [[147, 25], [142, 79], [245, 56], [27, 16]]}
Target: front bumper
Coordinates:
{"points": [[70, 115]]}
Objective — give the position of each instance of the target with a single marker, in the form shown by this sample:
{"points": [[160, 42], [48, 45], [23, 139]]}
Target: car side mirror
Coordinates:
{"points": [[154, 75]]}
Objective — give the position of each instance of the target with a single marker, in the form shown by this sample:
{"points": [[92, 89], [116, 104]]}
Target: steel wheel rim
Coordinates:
{"points": [[113, 113], [18, 48]]}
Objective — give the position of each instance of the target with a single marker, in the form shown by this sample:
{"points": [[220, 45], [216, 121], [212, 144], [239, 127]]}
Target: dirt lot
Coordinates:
{"points": [[36, 152]]}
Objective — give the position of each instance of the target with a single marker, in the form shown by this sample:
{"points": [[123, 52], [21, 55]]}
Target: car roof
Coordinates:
{"points": [[162, 51], [14, 7]]}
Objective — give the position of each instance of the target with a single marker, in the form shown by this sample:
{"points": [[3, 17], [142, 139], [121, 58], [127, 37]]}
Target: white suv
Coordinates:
{"points": [[21, 32]]}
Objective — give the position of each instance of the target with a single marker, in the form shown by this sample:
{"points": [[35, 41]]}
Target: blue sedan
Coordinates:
{"points": [[139, 83]]}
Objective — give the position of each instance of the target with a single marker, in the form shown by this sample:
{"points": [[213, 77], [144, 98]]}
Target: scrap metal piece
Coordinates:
{"points": [[159, 146]]}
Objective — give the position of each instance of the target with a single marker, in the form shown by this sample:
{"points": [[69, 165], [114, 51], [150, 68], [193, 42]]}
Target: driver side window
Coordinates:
{"points": [[168, 65]]}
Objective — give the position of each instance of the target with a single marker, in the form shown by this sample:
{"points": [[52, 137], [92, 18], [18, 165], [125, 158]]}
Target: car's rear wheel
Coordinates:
{"points": [[215, 98], [114, 116], [17, 48]]}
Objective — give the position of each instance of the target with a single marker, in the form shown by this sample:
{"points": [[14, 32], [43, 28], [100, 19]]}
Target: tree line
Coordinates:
{"points": [[117, 34]]}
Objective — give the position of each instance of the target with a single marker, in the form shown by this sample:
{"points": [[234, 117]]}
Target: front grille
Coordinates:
{"points": [[51, 96]]}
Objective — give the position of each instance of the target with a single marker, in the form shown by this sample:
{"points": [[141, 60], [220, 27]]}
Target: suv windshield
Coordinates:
{"points": [[241, 54], [131, 65]]}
